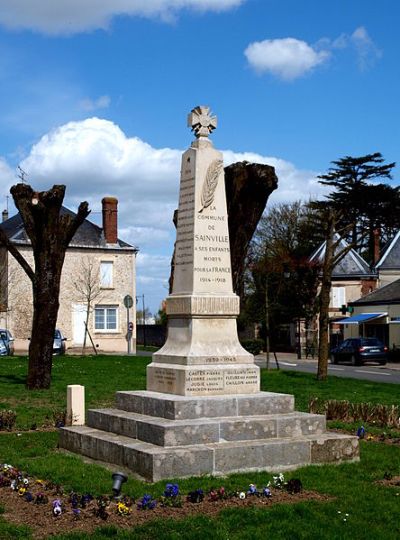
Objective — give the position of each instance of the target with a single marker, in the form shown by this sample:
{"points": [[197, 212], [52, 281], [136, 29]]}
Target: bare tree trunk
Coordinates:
{"points": [[50, 232], [324, 301], [45, 309], [86, 327]]}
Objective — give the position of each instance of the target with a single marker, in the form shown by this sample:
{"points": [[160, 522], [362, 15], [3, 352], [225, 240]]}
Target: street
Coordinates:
{"points": [[371, 371]]}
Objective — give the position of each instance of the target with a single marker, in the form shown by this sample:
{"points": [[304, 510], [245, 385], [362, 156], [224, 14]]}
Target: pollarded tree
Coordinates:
{"points": [[50, 233]]}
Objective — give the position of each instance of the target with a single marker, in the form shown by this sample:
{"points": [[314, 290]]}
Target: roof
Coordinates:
{"points": [[351, 265], [88, 234], [389, 294], [361, 318], [391, 256]]}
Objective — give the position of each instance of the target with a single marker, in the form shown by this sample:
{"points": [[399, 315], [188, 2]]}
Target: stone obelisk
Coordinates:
{"points": [[202, 355]]}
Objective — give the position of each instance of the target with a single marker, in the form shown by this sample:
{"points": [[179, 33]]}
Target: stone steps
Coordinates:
{"points": [[160, 436], [165, 432], [175, 407], [155, 463]]}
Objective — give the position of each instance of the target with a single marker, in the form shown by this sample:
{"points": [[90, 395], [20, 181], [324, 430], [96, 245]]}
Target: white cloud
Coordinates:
{"points": [[90, 105], [367, 51], [360, 41], [8, 177], [287, 58], [72, 16], [95, 158]]}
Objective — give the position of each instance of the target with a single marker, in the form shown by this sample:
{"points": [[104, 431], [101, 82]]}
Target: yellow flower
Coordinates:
{"points": [[123, 510], [21, 491]]}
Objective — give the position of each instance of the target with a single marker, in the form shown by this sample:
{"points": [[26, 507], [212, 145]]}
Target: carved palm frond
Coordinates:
{"points": [[210, 183]]}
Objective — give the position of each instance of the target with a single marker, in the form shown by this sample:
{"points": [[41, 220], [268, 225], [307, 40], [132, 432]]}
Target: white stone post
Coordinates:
{"points": [[75, 405]]}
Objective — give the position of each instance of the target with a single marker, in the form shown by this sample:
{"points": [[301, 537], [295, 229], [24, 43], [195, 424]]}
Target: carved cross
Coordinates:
{"points": [[201, 121]]}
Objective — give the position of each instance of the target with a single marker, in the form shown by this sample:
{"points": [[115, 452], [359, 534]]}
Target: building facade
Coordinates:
{"points": [[99, 272]]}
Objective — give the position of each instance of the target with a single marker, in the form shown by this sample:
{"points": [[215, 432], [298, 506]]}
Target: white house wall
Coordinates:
{"points": [[19, 316]]}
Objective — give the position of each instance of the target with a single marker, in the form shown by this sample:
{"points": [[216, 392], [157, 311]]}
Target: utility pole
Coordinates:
{"points": [[144, 322], [267, 342], [143, 317]]}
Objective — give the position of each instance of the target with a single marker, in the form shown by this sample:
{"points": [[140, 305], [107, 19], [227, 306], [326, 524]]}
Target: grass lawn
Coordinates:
{"points": [[374, 510]]}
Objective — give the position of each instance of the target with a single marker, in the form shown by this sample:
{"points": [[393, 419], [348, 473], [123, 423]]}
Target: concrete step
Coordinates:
{"points": [[168, 433], [175, 407], [155, 463]]}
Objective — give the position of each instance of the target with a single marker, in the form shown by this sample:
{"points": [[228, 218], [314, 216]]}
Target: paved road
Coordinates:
{"points": [[372, 372]]}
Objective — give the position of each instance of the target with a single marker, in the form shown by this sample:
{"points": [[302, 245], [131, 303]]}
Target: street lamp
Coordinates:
{"points": [[286, 275]]}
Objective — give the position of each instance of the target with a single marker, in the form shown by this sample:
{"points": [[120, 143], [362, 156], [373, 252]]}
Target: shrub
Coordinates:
{"points": [[382, 415], [253, 346], [7, 420]]}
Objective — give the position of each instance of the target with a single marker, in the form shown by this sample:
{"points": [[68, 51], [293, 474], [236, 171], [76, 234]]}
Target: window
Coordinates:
{"points": [[105, 318], [106, 274], [338, 297]]}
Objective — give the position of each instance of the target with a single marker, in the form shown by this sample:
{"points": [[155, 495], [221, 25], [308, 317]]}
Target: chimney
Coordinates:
{"points": [[110, 219], [377, 249], [5, 215]]}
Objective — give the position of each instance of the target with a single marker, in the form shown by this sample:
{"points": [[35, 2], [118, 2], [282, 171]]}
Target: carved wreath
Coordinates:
{"points": [[210, 183]]}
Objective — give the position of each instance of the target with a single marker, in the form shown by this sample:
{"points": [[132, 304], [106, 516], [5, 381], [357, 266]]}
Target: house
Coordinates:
{"points": [[99, 271], [388, 266], [352, 278], [376, 315]]}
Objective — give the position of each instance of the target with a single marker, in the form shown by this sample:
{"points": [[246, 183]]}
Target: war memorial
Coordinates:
{"points": [[203, 411]]}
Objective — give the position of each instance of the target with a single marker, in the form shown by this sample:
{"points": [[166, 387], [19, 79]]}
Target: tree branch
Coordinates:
{"points": [[4, 240], [72, 224]]}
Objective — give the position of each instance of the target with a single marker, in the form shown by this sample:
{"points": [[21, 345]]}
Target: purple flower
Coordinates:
{"points": [[85, 499], [196, 496], [146, 503], [361, 432], [57, 510], [266, 492], [76, 512], [28, 496], [252, 489], [171, 490], [74, 500]]}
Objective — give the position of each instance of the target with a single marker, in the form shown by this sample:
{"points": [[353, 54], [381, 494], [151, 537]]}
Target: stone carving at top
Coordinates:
{"points": [[201, 121]]}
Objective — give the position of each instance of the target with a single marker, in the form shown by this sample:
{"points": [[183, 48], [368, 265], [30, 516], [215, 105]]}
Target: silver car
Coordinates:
{"points": [[7, 340]]}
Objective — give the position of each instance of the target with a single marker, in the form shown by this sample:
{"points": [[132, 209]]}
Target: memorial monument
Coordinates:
{"points": [[203, 411], [202, 355]]}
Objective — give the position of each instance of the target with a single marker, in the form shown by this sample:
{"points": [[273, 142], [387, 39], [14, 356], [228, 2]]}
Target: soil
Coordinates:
{"points": [[44, 524], [394, 481], [374, 438]]}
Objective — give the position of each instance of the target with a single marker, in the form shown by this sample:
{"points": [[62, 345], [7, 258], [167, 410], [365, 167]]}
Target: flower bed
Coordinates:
{"points": [[48, 509]]}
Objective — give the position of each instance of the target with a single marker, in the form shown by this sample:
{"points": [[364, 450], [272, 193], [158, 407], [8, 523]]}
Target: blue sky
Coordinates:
{"points": [[95, 95]]}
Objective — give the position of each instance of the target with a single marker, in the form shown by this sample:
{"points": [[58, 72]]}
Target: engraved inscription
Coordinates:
{"points": [[165, 377], [197, 305], [241, 377], [204, 381]]}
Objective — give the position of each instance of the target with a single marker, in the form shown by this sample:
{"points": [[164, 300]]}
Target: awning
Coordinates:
{"points": [[395, 320], [361, 318]]}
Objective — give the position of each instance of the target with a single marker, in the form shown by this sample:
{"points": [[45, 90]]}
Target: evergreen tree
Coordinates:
{"points": [[364, 205]]}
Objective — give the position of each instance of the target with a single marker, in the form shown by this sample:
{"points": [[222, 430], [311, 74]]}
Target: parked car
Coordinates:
{"points": [[3, 349], [59, 342], [360, 350], [7, 340]]}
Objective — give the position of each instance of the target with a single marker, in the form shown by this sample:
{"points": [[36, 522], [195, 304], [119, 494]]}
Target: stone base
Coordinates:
{"points": [[160, 436], [198, 380], [202, 355]]}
